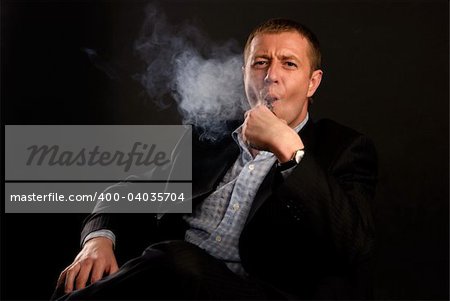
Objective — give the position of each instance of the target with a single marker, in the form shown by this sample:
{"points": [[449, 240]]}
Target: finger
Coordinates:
{"points": [[72, 272], [61, 277], [83, 275], [97, 272], [270, 109], [262, 107], [114, 267]]}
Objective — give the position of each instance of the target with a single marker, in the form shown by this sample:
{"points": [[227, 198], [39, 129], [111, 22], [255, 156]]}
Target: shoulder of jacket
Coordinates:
{"points": [[328, 127], [331, 136]]}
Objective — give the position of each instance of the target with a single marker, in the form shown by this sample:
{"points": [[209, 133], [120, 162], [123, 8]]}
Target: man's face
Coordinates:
{"points": [[278, 71]]}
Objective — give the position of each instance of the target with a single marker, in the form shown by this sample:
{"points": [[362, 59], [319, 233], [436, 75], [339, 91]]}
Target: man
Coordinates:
{"points": [[280, 210]]}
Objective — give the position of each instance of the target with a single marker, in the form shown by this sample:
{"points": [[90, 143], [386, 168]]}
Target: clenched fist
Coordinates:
{"points": [[263, 130]]}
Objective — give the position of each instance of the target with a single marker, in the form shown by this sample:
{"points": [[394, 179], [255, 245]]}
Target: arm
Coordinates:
{"points": [[97, 258]]}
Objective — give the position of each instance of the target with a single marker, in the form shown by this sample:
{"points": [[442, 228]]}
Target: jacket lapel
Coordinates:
{"points": [[210, 166]]}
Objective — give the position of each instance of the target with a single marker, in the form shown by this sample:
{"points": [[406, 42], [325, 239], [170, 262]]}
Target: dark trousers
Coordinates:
{"points": [[173, 270]]}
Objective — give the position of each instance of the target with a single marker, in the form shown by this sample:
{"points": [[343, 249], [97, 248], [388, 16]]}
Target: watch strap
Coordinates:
{"points": [[296, 158]]}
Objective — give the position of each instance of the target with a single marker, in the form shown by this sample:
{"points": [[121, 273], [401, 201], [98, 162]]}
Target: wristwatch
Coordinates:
{"points": [[296, 158]]}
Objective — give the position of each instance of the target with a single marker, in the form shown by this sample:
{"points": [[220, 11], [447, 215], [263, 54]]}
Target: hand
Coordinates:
{"points": [[96, 259], [263, 130]]}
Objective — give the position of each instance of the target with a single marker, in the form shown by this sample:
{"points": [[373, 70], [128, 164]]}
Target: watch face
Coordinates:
{"points": [[299, 155]]}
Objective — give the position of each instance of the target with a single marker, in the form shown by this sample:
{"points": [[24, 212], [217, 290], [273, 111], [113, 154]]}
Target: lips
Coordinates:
{"points": [[271, 98], [269, 101], [267, 97]]}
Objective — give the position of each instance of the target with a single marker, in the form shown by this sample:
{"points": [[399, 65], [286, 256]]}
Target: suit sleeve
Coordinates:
{"points": [[133, 231], [333, 200]]}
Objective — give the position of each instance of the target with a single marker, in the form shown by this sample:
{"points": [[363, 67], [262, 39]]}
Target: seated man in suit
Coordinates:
{"points": [[281, 209]]}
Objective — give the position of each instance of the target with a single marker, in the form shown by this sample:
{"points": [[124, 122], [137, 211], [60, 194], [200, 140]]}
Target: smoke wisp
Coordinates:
{"points": [[204, 78]]}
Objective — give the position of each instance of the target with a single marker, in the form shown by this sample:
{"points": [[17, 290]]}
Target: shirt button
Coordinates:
{"points": [[251, 167], [236, 206], [218, 238]]}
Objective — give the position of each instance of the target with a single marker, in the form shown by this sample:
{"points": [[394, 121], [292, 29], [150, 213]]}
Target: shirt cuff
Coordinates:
{"points": [[100, 233]]}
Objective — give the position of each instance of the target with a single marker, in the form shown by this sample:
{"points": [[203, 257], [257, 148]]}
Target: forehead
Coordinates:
{"points": [[292, 43]]}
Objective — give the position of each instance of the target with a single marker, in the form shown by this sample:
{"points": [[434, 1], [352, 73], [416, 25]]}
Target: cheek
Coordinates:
{"points": [[298, 85], [295, 104], [298, 92], [249, 80], [252, 86], [251, 97]]}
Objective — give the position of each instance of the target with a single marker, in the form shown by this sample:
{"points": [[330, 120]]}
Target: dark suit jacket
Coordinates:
{"points": [[309, 235]]}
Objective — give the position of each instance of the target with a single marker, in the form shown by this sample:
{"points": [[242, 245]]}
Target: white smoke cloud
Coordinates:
{"points": [[204, 78]]}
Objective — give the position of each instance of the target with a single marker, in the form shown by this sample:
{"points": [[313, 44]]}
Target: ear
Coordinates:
{"points": [[314, 82]]}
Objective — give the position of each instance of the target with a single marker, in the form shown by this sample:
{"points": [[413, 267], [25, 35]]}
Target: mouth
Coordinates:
{"points": [[269, 101], [267, 98]]}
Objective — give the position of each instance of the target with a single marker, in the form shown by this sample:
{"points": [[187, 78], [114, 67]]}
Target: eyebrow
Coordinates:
{"points": [[281, 57], [261, 56], [290, 57]]}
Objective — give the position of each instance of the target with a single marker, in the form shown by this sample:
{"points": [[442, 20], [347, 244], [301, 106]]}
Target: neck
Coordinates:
{"points": [[253, 151]]}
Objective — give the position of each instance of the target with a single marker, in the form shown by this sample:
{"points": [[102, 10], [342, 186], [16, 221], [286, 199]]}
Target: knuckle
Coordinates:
{"points": [[68, 288], [80, 281], [86, 261], [79, 284], [62, 274], [73, 266], [70, 269], [95, 278]]}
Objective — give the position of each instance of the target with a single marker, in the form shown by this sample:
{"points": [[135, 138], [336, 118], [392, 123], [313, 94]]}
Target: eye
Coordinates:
{"points": [[260, 64], [290, 65]]}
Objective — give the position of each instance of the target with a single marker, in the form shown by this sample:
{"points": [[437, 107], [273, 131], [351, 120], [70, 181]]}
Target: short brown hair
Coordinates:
{"points": [[279, 25]]}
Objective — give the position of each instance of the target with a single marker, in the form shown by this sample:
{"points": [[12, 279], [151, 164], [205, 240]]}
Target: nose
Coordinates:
{"points": [[272, 75]]}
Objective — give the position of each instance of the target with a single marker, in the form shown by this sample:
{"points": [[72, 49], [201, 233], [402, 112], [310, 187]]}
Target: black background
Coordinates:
{"points": [[385, 74]]}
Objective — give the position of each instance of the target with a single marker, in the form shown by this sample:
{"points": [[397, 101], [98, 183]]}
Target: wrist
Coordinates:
{"points": [[104, 234], [100, 239], [294, 161], [285, 152]]}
